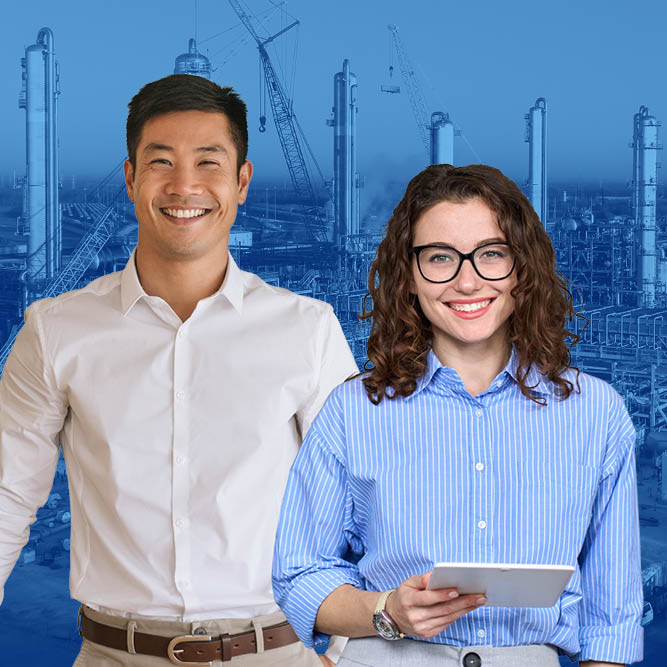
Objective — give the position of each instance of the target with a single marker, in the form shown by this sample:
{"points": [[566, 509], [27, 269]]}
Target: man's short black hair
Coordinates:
{"points": [[186, 92]]}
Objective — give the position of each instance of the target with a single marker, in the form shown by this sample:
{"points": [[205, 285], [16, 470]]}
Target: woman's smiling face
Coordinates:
{"points": [[468, 310]]}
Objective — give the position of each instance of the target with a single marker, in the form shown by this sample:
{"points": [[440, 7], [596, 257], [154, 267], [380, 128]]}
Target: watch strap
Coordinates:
{"points": [[380, 611], [382, 601]]}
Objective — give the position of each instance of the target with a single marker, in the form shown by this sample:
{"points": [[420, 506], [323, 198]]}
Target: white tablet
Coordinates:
{"points": [[504, 584]]}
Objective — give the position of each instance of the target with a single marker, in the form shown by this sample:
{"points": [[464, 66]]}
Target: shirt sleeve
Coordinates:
{"points": [[610, 619], [32, 412], [335, 363], [316, 530]]}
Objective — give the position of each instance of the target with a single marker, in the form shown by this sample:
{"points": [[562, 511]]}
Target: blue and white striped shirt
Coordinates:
{"points": [[379, 493]]}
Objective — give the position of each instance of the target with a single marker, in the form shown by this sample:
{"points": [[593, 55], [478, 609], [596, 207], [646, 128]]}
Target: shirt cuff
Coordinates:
{"points": [[305, 597], [336, 648], [622, 643]]}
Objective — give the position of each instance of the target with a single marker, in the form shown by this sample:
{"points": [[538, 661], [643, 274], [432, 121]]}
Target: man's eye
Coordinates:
{"points": [[160, 160], [209, 163]]}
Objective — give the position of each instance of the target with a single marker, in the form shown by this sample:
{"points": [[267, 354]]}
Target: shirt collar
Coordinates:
{"points": [[535, 381], [131, 290]]}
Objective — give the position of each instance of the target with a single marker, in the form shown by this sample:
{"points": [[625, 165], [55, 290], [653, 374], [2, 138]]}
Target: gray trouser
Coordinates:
{"points": [[377, 652], [94, 655]]}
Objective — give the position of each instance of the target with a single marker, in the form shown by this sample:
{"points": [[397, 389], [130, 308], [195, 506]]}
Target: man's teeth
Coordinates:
{"points": [[181, 213], [470, 307]]}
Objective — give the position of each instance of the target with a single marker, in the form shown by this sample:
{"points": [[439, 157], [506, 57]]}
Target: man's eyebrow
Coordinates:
{"points": [[214, 148]]}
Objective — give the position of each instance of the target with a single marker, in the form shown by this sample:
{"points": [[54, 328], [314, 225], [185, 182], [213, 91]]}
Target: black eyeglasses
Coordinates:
{"points": [[442, 263]]}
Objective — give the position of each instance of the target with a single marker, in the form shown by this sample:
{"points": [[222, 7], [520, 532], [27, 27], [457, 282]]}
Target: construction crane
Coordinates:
{"points": [[287, 127], [414, 89], [69, 277]]}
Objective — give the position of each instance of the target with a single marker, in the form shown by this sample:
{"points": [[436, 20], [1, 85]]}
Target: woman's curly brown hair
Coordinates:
{"points": [[400, 333]]}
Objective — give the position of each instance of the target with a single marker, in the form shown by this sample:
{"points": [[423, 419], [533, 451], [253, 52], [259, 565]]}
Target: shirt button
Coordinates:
{"points": [[481, 633], [180, 395], [181, 333], [479, 466], [180, 459], [180, 523], [481, 524], [185, 584], [478, 412]]}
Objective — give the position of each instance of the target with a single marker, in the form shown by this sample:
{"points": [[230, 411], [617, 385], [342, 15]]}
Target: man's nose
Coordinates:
{"points": [[183, 180]]}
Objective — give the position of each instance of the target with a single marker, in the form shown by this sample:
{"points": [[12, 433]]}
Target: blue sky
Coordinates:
{"points": [[483, 61]]}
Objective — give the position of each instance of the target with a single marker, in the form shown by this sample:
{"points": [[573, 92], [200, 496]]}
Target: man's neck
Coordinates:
{"points": [[181, 283]]}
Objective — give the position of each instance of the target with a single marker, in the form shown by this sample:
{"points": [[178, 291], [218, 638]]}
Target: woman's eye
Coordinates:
{"points": [[440, 258]]}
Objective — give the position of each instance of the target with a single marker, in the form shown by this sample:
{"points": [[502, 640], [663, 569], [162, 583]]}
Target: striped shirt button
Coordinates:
{"points": [[479, 466], [478, 412], [481, 524], [481, 633]]}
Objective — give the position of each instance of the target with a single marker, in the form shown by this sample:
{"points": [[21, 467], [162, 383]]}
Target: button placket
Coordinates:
{"points": [[180, 470]]}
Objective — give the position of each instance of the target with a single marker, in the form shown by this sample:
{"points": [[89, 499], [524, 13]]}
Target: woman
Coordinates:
{"points": [[470, 439]]}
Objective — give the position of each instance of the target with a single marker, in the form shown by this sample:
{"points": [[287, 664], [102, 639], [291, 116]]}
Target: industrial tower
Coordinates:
{"points": [[193, 62], [345, 181], [536, 136], [41, 210], [645, 148]]}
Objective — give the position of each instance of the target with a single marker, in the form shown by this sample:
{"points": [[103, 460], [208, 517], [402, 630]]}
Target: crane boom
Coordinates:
{"points": [[285, 121], [414, 89], [88, 248]]}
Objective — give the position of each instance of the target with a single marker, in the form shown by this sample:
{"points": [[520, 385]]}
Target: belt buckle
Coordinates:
{"points": [[171, 650]]}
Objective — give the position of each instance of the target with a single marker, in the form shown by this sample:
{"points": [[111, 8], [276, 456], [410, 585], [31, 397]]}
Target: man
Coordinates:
{"points": [[180, 389]]}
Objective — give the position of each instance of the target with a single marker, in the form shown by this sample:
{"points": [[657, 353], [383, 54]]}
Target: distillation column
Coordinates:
{"points": [[536, 136], [645, 148], [41, 209], [442, 138], [346, 181], [193, 62]]}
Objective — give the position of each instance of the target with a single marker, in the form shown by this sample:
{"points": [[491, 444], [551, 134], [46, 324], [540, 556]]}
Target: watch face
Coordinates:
{"points": [[385, 627]]}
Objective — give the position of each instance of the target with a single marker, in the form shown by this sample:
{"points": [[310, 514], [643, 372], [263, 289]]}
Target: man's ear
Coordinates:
{"points": [[245, 174], [129, 179]]}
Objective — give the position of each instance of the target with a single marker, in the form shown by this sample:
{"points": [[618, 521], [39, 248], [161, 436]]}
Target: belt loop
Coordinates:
{"points": [[131, 627], [78, 621], [259, 635]]}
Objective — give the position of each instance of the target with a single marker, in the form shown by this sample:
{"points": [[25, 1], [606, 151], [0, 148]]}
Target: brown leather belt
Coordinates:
{"points": [[187, 649]]}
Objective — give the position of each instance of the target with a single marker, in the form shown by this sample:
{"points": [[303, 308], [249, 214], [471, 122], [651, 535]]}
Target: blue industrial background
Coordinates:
{"points": [[347, 101]]}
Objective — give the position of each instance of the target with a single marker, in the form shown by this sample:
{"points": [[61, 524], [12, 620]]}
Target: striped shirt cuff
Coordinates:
{"points": [[303, 600], [622, 643]]}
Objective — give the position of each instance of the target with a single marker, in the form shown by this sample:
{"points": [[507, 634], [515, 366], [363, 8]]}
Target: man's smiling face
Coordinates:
{"points": [[186, 186]]}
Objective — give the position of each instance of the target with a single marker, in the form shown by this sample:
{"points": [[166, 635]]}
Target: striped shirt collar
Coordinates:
{"points": [[131, 290], [436, 372]]}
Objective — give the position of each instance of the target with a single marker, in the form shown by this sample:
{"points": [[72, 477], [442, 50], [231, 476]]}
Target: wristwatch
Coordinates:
{"points": [[383, 623]]}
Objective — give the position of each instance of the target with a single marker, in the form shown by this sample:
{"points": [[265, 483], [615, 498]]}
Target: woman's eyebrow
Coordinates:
{"points": [[447, 244]]}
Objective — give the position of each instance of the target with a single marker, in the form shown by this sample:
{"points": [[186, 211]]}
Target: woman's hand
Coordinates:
{"points": [[423, 613]]}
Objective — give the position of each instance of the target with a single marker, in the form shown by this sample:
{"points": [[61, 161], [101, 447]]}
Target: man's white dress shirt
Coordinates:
{"points": [[178, 437]]}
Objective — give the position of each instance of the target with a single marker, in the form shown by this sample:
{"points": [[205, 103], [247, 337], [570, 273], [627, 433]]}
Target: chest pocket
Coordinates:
{"points": [[557, 497]]}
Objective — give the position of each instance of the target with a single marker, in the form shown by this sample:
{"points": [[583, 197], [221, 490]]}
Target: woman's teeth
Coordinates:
{"points": [[469, 307], [181, 213]]}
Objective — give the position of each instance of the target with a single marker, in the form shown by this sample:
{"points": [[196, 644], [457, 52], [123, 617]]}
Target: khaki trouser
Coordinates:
{"points": [[95, 655]]}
